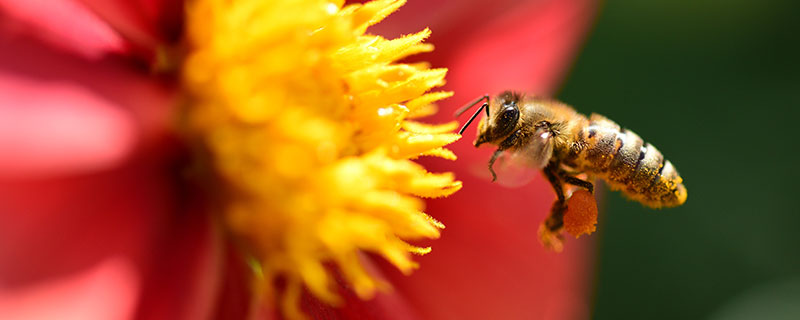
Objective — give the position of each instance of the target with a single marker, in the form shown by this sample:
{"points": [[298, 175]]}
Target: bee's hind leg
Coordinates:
{"points": [[569, 177], [580, 183], [556, 219], [550, 230]]}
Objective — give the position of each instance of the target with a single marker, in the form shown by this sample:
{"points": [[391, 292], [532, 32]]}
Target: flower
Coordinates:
{"points": [[90, 207], [94, 203], [489, 262], [304, 120]]}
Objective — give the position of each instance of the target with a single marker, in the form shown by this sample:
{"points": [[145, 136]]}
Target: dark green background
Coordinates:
{"points": [[714, 85]]}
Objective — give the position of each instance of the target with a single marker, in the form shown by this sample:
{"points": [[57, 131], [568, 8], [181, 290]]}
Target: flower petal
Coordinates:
{"points": [[145, 23], [387, 305], [65, 25], [65, 114], [186, 269], [60, 239], [488, 262], [75, 296], [119, 236], [490, 46], [530, 48], [234, 295]]}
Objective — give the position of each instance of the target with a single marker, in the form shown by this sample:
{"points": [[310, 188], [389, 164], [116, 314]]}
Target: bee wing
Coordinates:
{"points": [[539, 149], [512, 170], [518, 167]]}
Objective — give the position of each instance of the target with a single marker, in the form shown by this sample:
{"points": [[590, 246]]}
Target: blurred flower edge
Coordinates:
{"points": [[119, 178]]}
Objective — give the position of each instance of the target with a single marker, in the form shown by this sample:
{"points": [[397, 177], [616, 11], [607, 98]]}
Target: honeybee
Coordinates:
{"points": [[564, 144]]}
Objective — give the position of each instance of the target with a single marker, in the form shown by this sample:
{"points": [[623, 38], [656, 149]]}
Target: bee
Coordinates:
{"points": [[552, 136]]}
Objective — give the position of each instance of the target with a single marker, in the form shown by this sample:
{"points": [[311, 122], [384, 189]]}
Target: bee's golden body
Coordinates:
{"points": [[623, 160], [565, 143]]}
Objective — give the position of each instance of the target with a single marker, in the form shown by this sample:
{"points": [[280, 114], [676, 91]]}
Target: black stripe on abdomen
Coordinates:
{"points": [[647, 170], [602, 146], [626, 160]]}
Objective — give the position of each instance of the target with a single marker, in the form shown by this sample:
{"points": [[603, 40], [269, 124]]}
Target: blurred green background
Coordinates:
{"points": [[714, 85]]}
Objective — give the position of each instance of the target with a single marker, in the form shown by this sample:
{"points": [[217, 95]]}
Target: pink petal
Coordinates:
{"points": [[489, 263], [146, 23], [490, 46], [385, 305], [43, 137], [76, 296], [123, 233], [85, 204], [527, 49], [64, 114], [186, 269], [234, 300], [59, 238], [63, 24]]}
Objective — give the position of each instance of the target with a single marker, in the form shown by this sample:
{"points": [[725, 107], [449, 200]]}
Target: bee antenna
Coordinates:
{"points": [[474, 115], [466, 107], [469, 105]]}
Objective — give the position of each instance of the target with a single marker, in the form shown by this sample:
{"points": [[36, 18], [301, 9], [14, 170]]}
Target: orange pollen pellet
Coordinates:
{"points": [[581, 214]]}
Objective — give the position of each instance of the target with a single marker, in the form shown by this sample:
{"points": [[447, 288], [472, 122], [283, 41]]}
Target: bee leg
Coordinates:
{"points": [[556, 219], [569, 177], [496, 154], [580, 183], [507, 143]]}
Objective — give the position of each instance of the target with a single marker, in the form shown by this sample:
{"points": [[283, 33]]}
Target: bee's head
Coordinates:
{"points": [[499, 122]]}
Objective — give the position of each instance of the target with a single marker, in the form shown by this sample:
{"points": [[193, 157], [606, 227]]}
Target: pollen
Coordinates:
{"points": [[304, 123], [581, 214]]}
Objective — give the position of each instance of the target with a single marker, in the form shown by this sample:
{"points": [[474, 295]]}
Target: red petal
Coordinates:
{"points": [[146, 23], [528, 49], [64, 114], [67, 244], [63, 24], [120, 237], [186, 269], [234, 300], [112, 281], [109, 229], [489, 263], [490, 46], [384, 306]]}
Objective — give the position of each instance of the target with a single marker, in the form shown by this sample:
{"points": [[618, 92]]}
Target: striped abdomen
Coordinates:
{"points": [[627, 163]]}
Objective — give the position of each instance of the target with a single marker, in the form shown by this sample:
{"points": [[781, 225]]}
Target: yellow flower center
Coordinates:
{"points": [[303, 118]]}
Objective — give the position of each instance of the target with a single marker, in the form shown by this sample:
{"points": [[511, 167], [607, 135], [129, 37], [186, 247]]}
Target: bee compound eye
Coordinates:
{"points": [[507, 119], [510, 114]]}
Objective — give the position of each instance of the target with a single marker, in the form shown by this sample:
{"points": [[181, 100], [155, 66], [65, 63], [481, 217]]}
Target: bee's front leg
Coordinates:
{"points": [[509, 142], [495, 155]]}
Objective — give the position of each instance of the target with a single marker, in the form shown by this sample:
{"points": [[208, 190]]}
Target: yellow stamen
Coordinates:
{"points": [[302, 118]]}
